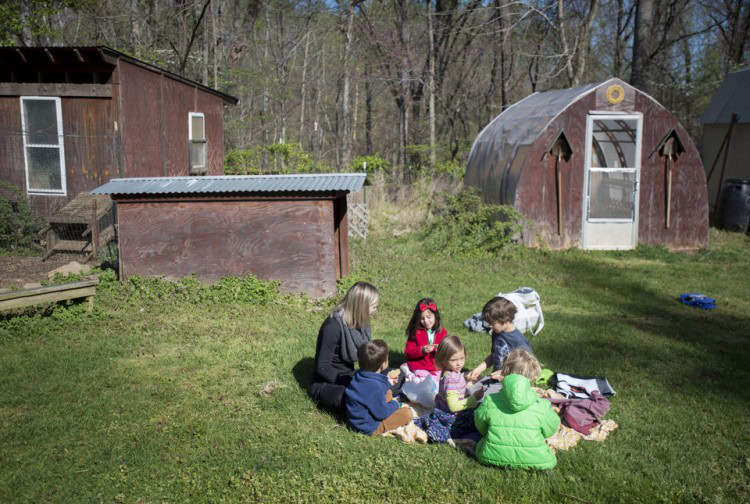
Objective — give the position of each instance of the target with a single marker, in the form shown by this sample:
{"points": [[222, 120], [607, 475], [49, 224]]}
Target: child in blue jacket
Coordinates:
{"points": [[370, 407]]}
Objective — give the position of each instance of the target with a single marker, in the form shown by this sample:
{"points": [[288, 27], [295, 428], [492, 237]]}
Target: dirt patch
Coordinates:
{"points": [[17, 271]]}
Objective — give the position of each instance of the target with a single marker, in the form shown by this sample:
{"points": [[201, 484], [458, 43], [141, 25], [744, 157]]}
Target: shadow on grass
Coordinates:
{"points": [[714, 354]]}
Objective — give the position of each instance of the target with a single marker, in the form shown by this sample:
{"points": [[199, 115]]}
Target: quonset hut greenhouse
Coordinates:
{"points": [[603, 166]]}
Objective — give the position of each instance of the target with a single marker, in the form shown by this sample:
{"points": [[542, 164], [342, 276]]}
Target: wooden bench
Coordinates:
{"points": [[29, 297]]}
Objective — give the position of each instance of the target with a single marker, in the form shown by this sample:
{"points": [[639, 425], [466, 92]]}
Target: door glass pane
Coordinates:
{"points": [[40, 117], [613, 143], [197, 126], [44, 168], [612, 194]]}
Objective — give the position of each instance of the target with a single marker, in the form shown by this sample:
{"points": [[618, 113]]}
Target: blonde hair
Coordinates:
{"points": [[354, 308], [448, 347], [522, 362]]}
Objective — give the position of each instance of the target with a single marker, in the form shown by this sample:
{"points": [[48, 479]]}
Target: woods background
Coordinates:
{"points": [[400, 84]]}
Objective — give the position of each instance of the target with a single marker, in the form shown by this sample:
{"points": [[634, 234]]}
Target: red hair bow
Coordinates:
{"points": [[431, 306]]}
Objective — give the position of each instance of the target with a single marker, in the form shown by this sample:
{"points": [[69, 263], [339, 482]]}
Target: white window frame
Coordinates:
{"points": [[63, 191], [204, 168]]}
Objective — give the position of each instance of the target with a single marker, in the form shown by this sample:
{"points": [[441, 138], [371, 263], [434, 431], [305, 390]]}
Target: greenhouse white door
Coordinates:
{"points": [[610, 187]]}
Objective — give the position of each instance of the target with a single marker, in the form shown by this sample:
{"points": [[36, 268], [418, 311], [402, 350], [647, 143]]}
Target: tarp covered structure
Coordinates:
{"points": [[727, 155], [598, 166]]}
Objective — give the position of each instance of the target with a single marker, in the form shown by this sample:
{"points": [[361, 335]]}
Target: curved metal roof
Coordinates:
{"points": [[327, 182], [522, 122], [730, 98]]}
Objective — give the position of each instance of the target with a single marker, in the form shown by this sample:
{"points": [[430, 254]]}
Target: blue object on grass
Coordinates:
{"points": [[698, 300]]}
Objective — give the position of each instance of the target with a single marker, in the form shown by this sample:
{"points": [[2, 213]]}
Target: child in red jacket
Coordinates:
{"points": [[423, 334]]}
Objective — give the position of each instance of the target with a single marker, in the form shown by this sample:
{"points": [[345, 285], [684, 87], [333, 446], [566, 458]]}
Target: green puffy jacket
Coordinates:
{"points": [[514, 424]]}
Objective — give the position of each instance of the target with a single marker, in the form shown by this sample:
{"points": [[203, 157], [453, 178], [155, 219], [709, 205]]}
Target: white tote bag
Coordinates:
{"points": [[529, 316]]}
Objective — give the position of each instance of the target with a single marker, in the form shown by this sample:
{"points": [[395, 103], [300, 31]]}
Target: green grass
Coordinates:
{"points": [[176, 401]]}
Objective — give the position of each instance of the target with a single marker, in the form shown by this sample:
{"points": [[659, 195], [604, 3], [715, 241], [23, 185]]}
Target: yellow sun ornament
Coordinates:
{"points": [[615, 94]]}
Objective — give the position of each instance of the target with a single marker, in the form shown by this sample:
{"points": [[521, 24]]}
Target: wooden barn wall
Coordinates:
{"points": [[155, 112], [89, 148], [689, 209], [292, 241], [212, 107], [179, 101], [537, 189], [11, 142], [537, 199], [89, 143], [140, 98]]}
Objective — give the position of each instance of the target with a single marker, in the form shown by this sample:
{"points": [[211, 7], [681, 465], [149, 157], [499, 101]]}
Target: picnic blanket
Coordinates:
{"points": [[564, 439]]}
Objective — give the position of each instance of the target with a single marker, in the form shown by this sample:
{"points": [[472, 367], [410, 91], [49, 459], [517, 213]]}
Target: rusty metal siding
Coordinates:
{"points": [[141, 121], [213, 109], [88, 144], [292, 241], [11, 142], [179, 102], [89, 130], [536, 194], [689, 209]]}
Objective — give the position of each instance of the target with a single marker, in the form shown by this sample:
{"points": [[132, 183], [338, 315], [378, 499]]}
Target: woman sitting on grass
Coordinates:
{"points": [[339, 339]]}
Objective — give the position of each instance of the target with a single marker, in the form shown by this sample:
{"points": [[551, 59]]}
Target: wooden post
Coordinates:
{"points": [[94, 231], [724, 144], [559, 193], [669, 189], [668, 152]]}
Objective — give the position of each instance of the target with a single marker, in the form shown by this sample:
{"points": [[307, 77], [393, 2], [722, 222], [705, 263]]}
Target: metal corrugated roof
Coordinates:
{"points": [[235, 183]]}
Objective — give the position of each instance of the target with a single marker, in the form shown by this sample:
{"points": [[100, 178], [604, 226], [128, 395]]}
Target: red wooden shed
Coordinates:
{"points": [[603, 166], [71, 118], [291, 228]]}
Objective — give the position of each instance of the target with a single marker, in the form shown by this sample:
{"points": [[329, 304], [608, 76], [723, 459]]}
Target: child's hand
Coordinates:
{"points": [[428, 348], [497, 375], [473, 375]]}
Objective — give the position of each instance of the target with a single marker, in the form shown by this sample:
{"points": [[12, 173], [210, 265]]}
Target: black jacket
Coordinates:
{"points": [[329, 365]]}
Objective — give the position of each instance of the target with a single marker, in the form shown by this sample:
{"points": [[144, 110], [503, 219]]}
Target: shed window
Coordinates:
{"points": [[198, 145], [44, 152]]}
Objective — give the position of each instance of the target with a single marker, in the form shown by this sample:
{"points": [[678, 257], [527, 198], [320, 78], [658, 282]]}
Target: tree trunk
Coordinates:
{"points": [[368, 112], [619, 43], [264, 113], [737, 49], [205, 46], [346, 141], [585, 42], [641, 62], [568, 54], [215, 10], [304, 89], [431, 86]]}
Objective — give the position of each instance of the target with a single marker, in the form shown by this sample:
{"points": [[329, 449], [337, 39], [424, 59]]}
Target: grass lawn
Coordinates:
{"points": [[152, 402]]}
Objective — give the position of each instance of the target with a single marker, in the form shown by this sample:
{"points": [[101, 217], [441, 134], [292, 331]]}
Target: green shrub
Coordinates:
{"points": [[18, 227], [375, 164], [280, 158], [227, 290], [462, 224], [454, 168]]}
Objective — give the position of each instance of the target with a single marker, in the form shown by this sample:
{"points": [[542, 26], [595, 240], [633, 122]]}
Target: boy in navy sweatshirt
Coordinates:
{"points": [[499, 313], [370, 407]]}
